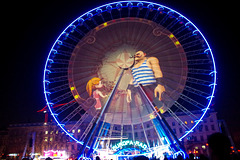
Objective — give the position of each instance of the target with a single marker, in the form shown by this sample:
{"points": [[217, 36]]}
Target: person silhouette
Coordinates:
{"points": [[98, 158], [219, 147]]}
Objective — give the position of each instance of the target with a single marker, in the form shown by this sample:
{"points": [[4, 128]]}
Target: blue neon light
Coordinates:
{"points": [[175, 155], [116, 5]]}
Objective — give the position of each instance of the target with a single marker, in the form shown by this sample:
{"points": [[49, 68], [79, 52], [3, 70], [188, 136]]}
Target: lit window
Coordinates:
{"points": [[192, 122], [185, 122], [46, 132], [79, 130], [45, 139], [51, 139], [56, 132], [73, 131]]}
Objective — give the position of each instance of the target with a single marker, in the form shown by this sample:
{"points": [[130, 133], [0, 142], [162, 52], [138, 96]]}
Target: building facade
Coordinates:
{"points": [[23, 138]]}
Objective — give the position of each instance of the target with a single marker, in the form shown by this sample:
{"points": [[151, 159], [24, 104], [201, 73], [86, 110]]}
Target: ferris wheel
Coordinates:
{"points": [[88, 70]]}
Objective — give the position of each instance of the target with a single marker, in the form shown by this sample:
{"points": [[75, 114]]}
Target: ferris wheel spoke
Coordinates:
{"points": [[196, 92], [162, 45], [179, 30], [72, 114], [58, 79], [83, 76], [192, 101], [185, 37], [63, 108], [80, 121], [62, 98], [191, 44], [197, 52], [63, 53], [141, 121], [172, 24], [88, 128], [57, 70], [59, 88], [71, 37], [91, 60], [199, 81], [195, 71], [65, 45], [164, 19], [198, 62], [61, 61], [176, 118], [186, 111]]}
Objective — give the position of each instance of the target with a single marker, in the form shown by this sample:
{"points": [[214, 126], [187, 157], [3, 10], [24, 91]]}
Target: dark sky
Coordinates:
{"points": [[31, 27]]}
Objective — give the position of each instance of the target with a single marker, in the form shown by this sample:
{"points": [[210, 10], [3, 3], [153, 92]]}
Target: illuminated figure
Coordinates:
{"points": [[147, 73], [92, 88]]}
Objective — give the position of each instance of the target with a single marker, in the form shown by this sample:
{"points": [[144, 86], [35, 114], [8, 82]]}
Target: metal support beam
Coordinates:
{"points": [[94, 127]]}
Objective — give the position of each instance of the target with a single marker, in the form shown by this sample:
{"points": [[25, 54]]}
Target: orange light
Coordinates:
{"points": [[171, 36], [206, 144], [177, 43], [76, 96], [72, 88], [161, 110], [151, 116], [105, 24]]}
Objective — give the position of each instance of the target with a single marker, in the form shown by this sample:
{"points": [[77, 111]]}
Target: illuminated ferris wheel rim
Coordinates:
{"points": [[125, 4]]}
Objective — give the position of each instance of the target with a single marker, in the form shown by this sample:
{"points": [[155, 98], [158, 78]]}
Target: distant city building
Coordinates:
{"points": [[22, 138]]}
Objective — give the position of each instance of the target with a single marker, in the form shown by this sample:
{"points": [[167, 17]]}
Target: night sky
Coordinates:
{"points": [[29, 29]]}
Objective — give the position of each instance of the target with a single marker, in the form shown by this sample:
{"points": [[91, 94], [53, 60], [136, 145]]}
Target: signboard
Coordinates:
{"points": [[54, 154], [131, 143]]}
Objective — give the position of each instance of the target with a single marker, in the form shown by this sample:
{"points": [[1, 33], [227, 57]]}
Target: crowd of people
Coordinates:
{"points": [[219, 149]]}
